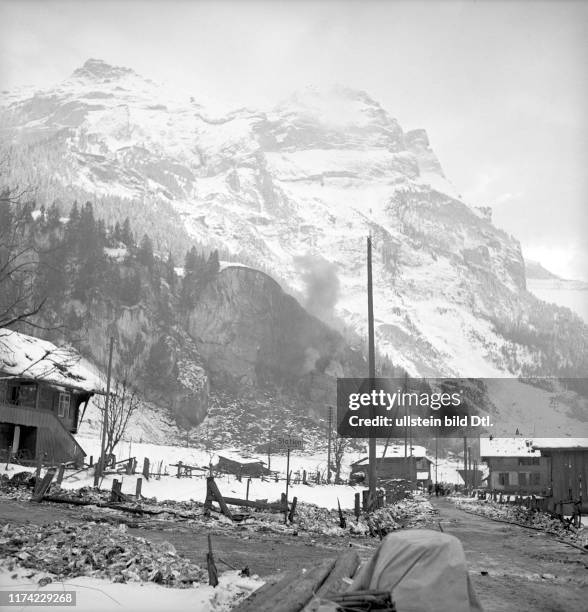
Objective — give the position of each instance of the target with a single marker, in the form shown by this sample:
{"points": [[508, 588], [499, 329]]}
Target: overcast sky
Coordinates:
{"points": [[501, 87]]}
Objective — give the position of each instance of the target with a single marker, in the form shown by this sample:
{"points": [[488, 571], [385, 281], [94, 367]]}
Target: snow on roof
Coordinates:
{"points": [[235, 456], [560, 443], [23, 356], [507, 447], [527, 447], [397, 450]]}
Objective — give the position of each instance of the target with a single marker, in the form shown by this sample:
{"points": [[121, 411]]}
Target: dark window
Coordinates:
{"points": [[27, 395], [536, 478], [503, 478], [523, 481]]}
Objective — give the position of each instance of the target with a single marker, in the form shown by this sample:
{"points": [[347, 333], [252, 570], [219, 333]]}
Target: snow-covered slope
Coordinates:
{"points": [[306, 181]]}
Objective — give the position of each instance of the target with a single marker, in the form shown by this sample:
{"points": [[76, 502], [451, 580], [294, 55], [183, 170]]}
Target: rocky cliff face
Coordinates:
{"points": [[249, 332], [309, 178]]}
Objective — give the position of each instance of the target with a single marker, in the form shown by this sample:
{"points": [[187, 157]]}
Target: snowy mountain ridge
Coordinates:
{"points": [[296, 186]]}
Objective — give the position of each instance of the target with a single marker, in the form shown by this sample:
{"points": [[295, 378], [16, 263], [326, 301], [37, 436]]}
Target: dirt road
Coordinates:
{"points": [[527, 571]]}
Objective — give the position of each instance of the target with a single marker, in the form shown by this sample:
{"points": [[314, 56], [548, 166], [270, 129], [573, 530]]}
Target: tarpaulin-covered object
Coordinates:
{"points": [[425, 570]]}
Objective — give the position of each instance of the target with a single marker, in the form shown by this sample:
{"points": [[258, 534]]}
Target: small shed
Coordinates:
{"points": [[568, 473], [241, 466]]}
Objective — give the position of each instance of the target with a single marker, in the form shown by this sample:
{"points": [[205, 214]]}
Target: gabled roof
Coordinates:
{"points": [[30, 358]]}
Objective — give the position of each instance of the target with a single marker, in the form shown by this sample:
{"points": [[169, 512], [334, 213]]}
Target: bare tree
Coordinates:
{"points": [[340, 445], [122, 404], [18, 260]]}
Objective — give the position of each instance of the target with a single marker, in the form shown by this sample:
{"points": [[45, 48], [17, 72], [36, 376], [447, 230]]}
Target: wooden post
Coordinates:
{"points": [[129, 467], [91, 461], [287, 483], [60, 474], [365, 500], [293, 510], [116, 489], [342, 521], [212, 571], [138, 488], [304, 477], [179, 469], [357, 506], [15, 439], [247, 494], [42, 487], [146, 468]]}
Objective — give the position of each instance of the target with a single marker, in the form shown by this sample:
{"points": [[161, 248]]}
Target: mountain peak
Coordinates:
{"points": [[97, 69]]}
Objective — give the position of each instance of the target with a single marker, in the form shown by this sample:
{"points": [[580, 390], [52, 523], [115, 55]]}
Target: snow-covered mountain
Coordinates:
{"points": [[295, 190]]}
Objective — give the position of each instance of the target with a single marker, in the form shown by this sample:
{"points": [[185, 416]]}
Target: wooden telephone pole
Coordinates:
{"points": [[330, 426], [372, 472]]}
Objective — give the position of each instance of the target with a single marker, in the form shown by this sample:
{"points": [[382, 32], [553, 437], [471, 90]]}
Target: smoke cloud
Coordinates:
{"points": [[322, 284]]}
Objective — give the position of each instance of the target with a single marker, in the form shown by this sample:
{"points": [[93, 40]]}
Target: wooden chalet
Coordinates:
{"points": [[568, 472], [241, 466], [42, 390], [514, 466]]}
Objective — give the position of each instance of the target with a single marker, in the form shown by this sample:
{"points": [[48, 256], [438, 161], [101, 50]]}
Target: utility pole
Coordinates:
{"points": [[329, 451], [436, 455], [372, 473], [406, 468], [98, 473], [465, 462]]}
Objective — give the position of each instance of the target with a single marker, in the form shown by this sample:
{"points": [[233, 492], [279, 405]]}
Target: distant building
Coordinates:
{"points": [[392, 464], [42, 389], [514, 466], [241, 466], [568, 472]]}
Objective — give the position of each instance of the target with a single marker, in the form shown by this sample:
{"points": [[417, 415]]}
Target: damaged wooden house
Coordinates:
{"points": [[43, 390]]}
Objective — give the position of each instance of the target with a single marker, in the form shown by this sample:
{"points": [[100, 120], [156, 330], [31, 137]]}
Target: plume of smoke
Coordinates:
{"points": [[322, 284]]}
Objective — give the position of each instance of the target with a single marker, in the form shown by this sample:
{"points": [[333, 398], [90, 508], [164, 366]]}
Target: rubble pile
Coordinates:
{"points": [[524, 516], [97, 550], [412, 512], [315, 519]]}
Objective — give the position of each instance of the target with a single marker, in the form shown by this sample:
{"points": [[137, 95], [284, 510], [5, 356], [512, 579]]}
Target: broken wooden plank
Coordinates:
{"points": [[291, 593], [215, 494], [293, 596], [345, 567], [42, 487], [248, 503], [273, 585]]}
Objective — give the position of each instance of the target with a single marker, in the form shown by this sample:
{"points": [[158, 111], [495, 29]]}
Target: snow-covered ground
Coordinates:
{"points": [[93, 594], [170, 487]]}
